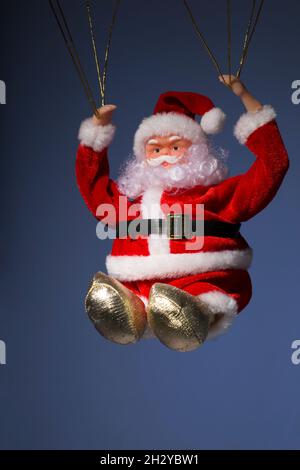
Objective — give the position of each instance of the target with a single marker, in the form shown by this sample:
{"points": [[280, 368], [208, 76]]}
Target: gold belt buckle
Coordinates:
{"points": [[171, 221]]}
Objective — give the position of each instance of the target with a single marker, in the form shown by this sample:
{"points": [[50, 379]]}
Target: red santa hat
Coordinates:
{"points": [[175, 113]]}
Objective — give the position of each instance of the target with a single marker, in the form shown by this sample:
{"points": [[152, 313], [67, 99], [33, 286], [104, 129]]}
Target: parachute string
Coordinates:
{"points": [[94, 45], [108, 46], [249, 34], [246, 38], [203, 40], [102, 77], [229, 38], [251, 28], [63, 26], [60, 18]]}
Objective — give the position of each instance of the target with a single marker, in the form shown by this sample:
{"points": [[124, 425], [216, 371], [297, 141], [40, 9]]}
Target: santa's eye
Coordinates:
{"points": [[156, 150], [175, 147]]}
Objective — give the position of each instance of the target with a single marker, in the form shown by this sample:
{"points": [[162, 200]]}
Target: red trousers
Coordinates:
{"points": [[234, 283]]}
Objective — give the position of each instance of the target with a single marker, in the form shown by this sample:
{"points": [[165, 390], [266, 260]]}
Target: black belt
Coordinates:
{"points": [[177, 227]]}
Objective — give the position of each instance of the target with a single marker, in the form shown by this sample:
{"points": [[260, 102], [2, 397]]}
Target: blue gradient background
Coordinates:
{"points": [[64, 386]]}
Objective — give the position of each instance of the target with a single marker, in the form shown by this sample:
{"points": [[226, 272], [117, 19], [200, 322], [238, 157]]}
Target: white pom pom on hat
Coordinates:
{"points": [[175, 113], [213, 121]]}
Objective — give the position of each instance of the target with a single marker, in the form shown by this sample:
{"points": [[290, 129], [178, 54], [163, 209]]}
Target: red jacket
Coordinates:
{"points": [[234, 200]]}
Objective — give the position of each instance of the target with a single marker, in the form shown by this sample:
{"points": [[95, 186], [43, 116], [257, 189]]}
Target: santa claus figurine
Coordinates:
{"points": [[165, 280]]}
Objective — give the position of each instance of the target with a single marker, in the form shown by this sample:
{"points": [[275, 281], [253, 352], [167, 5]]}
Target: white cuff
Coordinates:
{"points": [[222, 305], [96, 137], [250, 122]]}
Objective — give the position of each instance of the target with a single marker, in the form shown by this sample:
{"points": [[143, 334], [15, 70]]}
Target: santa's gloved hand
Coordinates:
{"points": [[105, 114]]}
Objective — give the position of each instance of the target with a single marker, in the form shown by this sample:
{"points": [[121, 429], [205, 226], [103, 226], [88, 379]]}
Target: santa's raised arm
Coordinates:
{"points": [[248, 194], [92, 167]]}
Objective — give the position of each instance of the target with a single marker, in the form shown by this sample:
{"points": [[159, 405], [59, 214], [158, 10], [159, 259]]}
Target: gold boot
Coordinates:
{"points": [[178, 319], [116, 312]]}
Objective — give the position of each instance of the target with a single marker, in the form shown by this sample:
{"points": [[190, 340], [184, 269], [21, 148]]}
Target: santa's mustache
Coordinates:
{"points": [[199, 166], [154, 162]]}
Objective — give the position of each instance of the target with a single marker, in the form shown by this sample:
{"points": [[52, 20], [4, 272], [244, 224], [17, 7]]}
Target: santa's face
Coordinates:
{"points": [[172, 162], [166, 151]]}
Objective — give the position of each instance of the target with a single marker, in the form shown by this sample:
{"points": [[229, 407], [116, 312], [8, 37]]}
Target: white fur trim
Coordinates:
{"points": [[250, 122], [213, 121], [134, 268], [223, 305], [164, 124], [151, 209], [96, 137]]}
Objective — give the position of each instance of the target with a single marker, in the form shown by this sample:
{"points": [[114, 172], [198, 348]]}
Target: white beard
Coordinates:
{"points": [[200, 166]]}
